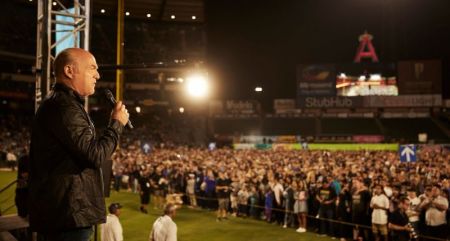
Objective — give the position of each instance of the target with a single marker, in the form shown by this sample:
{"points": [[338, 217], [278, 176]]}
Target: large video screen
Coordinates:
{"points": [[366, 79]]}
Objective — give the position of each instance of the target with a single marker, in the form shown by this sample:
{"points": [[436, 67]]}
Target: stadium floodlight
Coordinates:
{"points": [[258, 89], [197, 86]]}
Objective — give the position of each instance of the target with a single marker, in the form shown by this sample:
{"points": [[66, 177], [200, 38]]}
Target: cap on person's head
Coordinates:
{"points": [[113, 207]]}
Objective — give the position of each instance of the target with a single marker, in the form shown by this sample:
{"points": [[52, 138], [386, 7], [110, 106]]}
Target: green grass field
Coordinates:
{"points": [[193, 225]]}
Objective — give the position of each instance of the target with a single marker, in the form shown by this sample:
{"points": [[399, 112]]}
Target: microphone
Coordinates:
{"points": [[113, 102]]}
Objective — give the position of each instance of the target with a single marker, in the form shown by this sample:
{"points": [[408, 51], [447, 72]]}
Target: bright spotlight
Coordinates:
{"points": [[197, 86], [102, 11], [181, 109], [138, 109], [127, 13], [54, 3], [258, 89]]}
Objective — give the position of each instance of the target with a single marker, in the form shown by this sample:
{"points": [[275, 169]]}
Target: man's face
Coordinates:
{"points": [[85, 74], [435, 191], [378, 190]]}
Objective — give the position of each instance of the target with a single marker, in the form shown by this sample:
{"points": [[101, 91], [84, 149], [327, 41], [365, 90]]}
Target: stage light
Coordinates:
{"points": [[343, 76], [149, 15], [172, 17], [54, 3], [102, 11], [197, 86], [194, 17], [258, 89], [127, 13], [138, 109], [181, 109]]}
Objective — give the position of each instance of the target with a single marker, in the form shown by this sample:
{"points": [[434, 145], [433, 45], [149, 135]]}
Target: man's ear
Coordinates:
{"points": [[69, 71]]}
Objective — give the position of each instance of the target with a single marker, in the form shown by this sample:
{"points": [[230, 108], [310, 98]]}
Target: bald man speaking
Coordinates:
{"points": [[66, 155]]}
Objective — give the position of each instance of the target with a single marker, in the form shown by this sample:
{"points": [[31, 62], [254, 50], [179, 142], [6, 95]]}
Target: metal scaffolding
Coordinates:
{"points": [[79, 11]]}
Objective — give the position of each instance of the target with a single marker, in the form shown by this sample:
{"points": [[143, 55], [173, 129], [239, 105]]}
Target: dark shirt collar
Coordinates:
{"points": [[68, 90]]}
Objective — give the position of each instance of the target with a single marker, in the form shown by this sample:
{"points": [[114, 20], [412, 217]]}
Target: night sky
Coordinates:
{"points": [[257, 42]]}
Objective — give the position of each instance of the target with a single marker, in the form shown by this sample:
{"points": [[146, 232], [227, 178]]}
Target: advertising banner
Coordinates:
{"points": [[330, 102], [242, 106], [368, 138], [284, 105], [420, 77], [403, 101], [316, 80]]}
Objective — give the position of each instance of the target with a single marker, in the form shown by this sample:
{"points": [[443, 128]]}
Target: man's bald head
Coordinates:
{"points": [[77, 69], [66, 57]]}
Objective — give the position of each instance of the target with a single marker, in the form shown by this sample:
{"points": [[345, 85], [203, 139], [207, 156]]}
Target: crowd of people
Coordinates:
{"points": [[342, 194], [346, 195]]}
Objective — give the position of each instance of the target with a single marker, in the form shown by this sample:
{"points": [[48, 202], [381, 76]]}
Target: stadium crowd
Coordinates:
{"points": [[342, 194], [369, 192]]}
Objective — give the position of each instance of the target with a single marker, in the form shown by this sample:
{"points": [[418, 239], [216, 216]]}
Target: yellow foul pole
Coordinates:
{"points": [[119, 61]]}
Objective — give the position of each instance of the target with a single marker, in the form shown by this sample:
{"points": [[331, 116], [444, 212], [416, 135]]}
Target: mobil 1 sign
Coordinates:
{"points": [[407, 153]]}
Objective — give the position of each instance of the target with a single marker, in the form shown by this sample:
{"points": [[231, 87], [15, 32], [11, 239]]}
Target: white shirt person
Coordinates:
{"points": [[112, 229], [164, 228]]}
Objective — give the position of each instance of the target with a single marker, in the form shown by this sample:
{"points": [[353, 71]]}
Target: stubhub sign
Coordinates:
{"points": [[330, 102]]}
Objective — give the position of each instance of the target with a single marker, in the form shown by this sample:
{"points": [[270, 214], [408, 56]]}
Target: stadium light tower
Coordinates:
{"points": [[197, 86]]}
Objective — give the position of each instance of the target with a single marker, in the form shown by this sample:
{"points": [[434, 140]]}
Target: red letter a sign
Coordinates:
{"points": [[365, 42]]}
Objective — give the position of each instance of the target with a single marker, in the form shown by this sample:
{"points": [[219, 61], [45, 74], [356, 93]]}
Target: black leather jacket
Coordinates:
{"points": [[66, 162]]}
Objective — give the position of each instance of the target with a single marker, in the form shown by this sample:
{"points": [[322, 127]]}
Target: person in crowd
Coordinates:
{"points": [[112, 229], [67, 157], [21, 198], [243, 196], [413, 210], [360, 208], [210, 189], [190, 190], [268, 204], [343, 213], [222, 187], [399, 222], [11, 159], [277, 189], [380, 207], [253, 200], [435, 214], [144, 189], [301, 204], [327, 199], [164, 228], [288, 197]]}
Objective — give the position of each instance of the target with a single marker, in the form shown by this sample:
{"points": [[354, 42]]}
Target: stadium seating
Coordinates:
{"points": [[409, 128], [349, 126]]}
